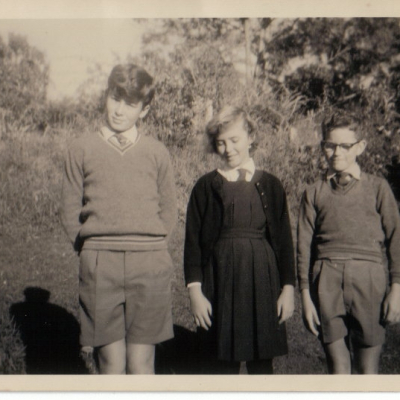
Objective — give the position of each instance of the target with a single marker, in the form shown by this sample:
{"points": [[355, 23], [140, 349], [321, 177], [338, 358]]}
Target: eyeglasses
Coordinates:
{"points": [[329, 146]]}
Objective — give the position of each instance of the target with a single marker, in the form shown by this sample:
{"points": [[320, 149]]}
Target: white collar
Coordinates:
{"points": [[354, 170], [232, 174], [131, 134]]}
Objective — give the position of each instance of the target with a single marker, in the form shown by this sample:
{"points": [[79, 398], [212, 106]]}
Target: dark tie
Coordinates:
{"points": [[242, 174], [343, 178]]}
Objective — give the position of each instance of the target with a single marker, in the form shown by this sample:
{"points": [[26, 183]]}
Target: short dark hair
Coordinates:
{"points": [[337, 121], [132, 83], [225, 118]]}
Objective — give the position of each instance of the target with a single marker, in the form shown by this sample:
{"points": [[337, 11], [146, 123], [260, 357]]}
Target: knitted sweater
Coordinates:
{"points": [[109, 194], [357, 222]]}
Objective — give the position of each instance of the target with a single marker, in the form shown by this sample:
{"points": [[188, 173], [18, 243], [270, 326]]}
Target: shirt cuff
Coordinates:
{"points": [[193, 284]]}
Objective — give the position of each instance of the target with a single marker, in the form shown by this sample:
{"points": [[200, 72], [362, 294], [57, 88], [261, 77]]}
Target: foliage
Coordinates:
{"points": [[195, 80], [303, 69], [11, 347], [74, 115], [24, 75], [345, 63]]}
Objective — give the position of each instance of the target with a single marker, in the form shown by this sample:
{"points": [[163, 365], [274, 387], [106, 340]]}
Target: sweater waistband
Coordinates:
{"points": [[126, 243], [349, 253]]}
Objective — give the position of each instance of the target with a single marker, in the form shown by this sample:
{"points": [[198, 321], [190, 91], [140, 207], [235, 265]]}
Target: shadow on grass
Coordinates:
{"points": [[179, 355], [50, 335], [191, 353]]}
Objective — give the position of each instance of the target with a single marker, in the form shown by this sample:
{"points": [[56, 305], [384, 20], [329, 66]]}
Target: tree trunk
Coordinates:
{"points": [[246, 23]]}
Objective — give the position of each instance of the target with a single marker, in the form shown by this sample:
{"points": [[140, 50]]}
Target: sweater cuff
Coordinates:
{"points": [[193, 284], [303, 284], [395, 279]]}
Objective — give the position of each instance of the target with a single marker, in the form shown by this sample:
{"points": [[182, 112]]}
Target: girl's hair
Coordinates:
{"points": [[337, 121], [132, 83], [227, 116]]}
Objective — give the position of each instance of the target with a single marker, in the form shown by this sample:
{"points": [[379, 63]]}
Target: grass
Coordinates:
{"points": [[35, 252]]}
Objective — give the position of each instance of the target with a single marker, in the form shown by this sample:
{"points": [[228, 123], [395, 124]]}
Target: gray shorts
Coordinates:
{"points": [[125, 295], [348, 295]]}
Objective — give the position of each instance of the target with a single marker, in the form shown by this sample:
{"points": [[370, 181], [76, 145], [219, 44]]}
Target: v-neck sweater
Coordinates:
{"points": [[358, 221], [107, 193]]}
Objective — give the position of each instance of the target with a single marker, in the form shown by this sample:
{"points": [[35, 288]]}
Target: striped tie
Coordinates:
{"points": [[122, 140]]}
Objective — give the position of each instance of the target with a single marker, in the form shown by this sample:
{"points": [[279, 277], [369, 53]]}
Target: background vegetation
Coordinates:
{"points": [[288, 74]]}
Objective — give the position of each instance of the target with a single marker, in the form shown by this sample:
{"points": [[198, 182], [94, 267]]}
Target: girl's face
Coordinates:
{"points": [[233, 144], [122, 115]]}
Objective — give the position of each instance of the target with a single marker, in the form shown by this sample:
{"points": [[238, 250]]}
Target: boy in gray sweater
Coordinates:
{"points": [[346, 222], [118, 209]]}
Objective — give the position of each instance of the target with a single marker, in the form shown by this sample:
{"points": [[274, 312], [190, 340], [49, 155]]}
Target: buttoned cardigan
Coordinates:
{"points": [[204, 222]]}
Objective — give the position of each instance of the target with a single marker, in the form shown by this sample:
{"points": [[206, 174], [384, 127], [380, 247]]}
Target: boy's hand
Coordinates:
{"points": [[391, 305], [286, 303], [310, 314], [201, 307]]}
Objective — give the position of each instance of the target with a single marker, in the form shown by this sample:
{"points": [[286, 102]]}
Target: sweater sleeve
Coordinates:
{"points": [[305, 235], [192, 250], [72, 195], [167, 192], [286, 257], [387, 207]]}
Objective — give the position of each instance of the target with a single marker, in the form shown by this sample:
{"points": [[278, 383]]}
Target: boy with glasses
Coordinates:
{"points": [[346, 222]]}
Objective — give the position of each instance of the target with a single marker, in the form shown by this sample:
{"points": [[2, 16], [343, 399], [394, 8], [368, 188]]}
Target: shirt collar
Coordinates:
{"points": [[232, 174], [131, 134], [354, 170]]}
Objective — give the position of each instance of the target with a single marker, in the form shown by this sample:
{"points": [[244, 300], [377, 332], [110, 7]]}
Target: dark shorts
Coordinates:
{"points": [[349, 296], [125, 295]]}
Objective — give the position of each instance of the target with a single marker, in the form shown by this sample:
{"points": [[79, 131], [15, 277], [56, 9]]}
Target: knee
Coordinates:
{"points": [[112, 359], [338, 357], [112, 367], [367, 359], [140, 359], [143, 366], [341, 366]]}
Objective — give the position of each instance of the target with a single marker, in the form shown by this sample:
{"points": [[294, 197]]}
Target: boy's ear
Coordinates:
{"points": [[362, 144], [144, 111]]}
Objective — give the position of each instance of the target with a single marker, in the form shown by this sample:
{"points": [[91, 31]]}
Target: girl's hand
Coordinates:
{"points": [[201, 307], [310, 315], [286, 303], [391, 305]]}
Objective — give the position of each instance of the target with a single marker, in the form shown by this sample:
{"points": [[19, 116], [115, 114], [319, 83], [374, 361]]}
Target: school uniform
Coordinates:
{"points": [[344, 230], [238, 245], [118, 209]]}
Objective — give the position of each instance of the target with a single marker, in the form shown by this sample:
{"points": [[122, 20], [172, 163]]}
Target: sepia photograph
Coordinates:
{"points": [[203, 190]]}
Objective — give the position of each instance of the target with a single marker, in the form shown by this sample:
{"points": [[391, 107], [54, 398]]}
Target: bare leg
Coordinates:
{"points": [[338, 357], [112, 358], [367, 359], [140, 358]]}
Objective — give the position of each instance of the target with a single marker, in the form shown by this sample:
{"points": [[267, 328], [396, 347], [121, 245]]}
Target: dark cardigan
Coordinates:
{"points": [[204, 222]]}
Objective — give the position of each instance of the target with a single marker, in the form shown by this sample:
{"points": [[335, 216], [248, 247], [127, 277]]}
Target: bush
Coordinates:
{"points": [[24, 75]]}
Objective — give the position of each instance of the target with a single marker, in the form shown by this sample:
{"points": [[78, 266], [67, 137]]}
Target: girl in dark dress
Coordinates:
{"points": [[239, 264]]}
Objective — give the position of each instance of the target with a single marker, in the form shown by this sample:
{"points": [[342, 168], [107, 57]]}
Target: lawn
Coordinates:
{"points": [[39, 271]]}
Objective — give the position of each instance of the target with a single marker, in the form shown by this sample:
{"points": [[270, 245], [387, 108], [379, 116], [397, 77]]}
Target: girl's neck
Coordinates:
{"points": [[226, 167]]}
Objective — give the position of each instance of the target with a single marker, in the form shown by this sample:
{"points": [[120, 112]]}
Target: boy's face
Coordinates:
{"points": [[341, 158], [233, 144], [121, 114]]}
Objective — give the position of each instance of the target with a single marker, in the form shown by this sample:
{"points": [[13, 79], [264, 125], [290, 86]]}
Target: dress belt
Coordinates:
{"points": [[242, 233]]}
